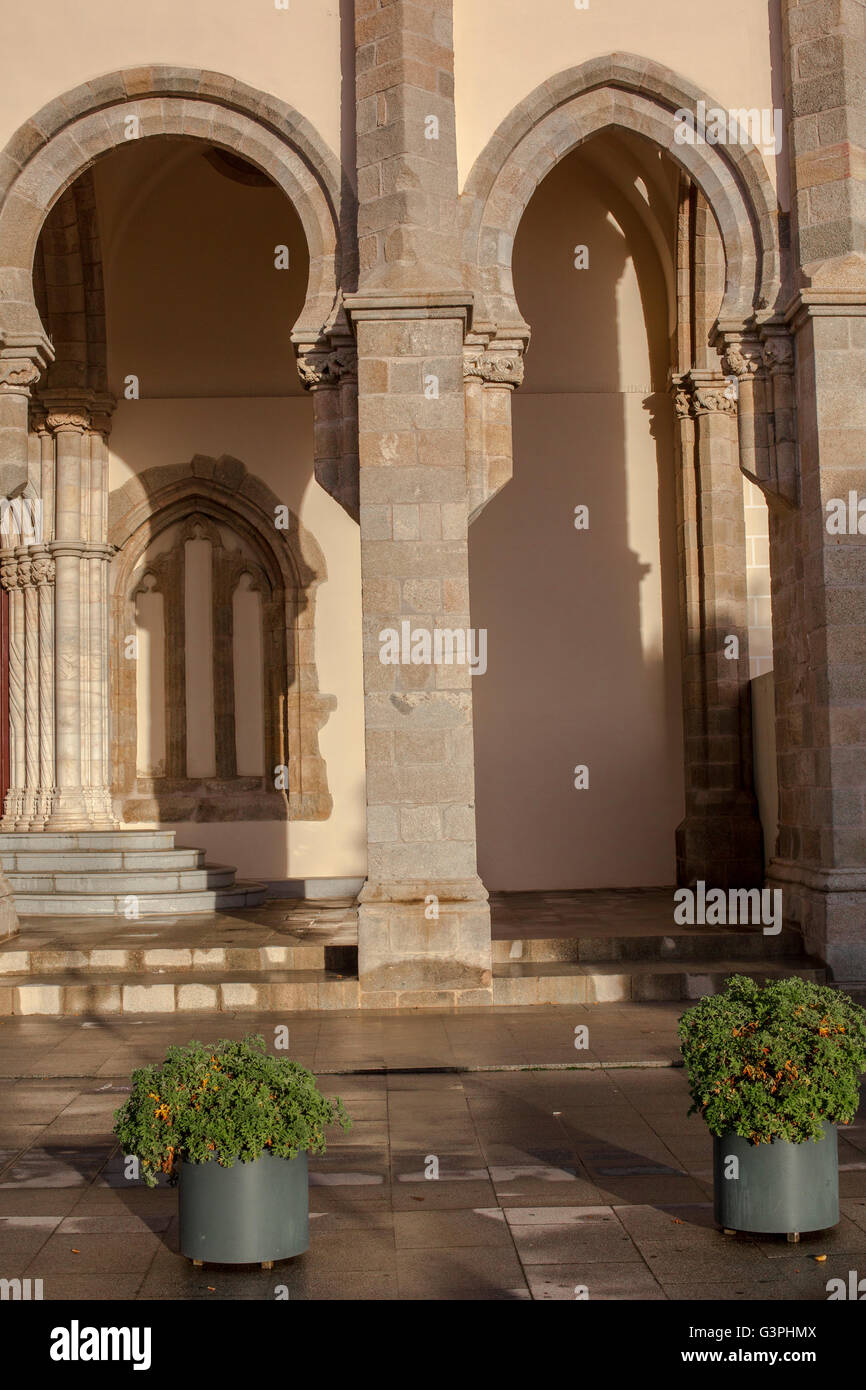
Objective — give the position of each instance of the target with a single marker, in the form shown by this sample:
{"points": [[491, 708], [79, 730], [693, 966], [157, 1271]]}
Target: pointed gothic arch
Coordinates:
{"points": [[628, 92]]}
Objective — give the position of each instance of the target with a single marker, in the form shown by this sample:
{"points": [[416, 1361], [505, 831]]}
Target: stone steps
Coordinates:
{"points": [[150, 961], [183, 902], [167, 879], [210, 988], [74, 993], [683, 944], [11, 841], [303, 956], [102, 861], [117, 873], [636, 982]]}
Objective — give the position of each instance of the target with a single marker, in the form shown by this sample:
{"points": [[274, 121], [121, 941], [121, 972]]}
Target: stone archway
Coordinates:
{"points": [[632, 93], [41, 163], [48, 153], [720, 836]]}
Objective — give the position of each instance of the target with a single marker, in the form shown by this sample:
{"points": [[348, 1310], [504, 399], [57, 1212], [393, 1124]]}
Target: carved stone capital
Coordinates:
{"points": [[42, 569], [75, 421], [17, 373], [495, 368], [698, 394], [743, 358], [778, 354], [708, 400], [9, 573], [318, 368]]}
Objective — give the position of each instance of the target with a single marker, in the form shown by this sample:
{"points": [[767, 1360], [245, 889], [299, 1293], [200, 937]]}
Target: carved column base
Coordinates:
{"points": [[69, 810], [100, 808], [424, 945], [29, 817], [12, 809]]}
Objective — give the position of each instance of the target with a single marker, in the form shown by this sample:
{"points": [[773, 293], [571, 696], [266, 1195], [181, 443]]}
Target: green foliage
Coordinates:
{"points": [[226, 1101], [774, 1062]]}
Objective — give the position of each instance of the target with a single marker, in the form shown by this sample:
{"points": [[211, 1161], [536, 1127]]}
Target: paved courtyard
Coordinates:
{"points": [[558, 1169]]}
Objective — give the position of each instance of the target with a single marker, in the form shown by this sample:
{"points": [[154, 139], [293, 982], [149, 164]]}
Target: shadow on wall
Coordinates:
{"points": [[583, 628]]}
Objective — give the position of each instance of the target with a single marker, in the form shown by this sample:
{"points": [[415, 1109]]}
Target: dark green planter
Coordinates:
{"points": [[251, 1213], [781, 1188]]}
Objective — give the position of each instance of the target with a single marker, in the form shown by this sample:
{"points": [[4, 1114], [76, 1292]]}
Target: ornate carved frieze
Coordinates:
{"points": [[24, 571]]}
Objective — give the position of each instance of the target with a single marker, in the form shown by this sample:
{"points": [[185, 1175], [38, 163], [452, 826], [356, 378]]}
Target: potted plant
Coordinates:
{"points": [[233, 1125], [773, 1070]]}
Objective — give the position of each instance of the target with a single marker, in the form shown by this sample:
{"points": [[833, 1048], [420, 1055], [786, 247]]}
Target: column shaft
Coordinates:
{"points": [[719, 840]]}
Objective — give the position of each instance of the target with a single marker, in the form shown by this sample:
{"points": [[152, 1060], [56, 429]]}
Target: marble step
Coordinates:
{"points": [[636, 982], [13, 841], [109, 996], [96, 861], [682, 944], [86, 879], [172, 903]]}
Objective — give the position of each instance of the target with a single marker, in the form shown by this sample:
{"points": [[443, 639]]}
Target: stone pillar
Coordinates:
{"points": [[69, 809], [719, 839], [818, 565], [29, 812], [98, 562], [81, 556], [20, 368], [424, 923], [330, 374], [490, 376], [15, 795], [43, 577]]}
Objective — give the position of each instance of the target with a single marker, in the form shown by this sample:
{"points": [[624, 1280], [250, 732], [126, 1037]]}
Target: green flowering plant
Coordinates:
{"points": [[227, 1101], [775, 1062]]}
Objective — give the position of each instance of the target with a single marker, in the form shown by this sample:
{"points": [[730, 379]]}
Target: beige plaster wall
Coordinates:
{"points": [[294, 54], [506, 48], [196, 310], [583, 638]]}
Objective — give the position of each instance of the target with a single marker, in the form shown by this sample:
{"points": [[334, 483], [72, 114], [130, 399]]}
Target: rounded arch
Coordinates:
{"points": [[620, 91], [68, 135]]}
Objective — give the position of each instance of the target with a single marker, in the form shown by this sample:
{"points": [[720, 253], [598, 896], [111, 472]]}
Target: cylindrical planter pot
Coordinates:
{"points": [[780, 1188], [247, 1214]]}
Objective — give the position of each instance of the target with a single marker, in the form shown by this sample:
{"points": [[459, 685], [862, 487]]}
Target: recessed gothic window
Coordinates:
{"points": [[216, 711]]}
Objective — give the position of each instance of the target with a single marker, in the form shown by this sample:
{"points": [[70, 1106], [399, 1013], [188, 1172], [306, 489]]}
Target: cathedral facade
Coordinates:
{"points": [[433, 462]]}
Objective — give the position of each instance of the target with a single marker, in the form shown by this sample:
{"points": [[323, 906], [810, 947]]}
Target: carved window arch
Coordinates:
{"points": [[219, 604]]}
